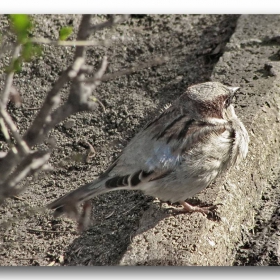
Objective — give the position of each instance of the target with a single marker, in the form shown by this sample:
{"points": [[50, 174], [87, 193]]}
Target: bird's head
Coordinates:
{"points": [[208, 100]]}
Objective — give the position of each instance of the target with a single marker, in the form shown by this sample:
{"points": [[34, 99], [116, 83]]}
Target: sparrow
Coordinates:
{"points": [[176, 155]]}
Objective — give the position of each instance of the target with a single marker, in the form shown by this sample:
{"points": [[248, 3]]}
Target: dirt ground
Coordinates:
{"points": [[193, 44]]}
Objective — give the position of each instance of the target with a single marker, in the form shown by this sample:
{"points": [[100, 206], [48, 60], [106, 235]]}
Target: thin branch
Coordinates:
{"points": [[21, 144], [5, 131], [91, 152], [76, 67], [79, 93], [4, 97], [83, 34], [95, 99], [57, 116], [110, 76], [67, 109], [34, 133], [113, 20], [44, 121], [99, 74], [31, 164], [48, 116], [72, 43]]}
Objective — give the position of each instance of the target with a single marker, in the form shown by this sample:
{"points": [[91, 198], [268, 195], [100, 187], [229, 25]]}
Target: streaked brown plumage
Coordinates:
{"points": [[176, 155]]}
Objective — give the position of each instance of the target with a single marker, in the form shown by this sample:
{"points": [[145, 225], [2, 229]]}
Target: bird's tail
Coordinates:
{"points": [[69, 202]]}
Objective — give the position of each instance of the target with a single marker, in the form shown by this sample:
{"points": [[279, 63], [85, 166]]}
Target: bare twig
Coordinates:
{"points": [[46, 119], [77, 65], [21, 145], [99, 74], [31, 164], [2, 154], [138, 67], [37, 131], [83, 34], [95, 99], [72, 43], [34, 133], [15, 97], [113, 20], [109, 215], [9, 79], [57, 116], [79, 97], [5, 131], [91, 152], [19, 162]]}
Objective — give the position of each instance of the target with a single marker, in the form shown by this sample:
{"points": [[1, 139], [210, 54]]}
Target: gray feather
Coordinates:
{"points": [[177, 154]]}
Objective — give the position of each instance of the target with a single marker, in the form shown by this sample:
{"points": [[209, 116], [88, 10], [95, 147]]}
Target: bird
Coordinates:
{"points": [[176, 155]]}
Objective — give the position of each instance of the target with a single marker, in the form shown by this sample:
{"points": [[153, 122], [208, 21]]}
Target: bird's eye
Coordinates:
{"points": [[227, 102]]}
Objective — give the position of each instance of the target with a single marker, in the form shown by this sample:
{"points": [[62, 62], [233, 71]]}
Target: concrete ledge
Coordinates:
{"points": [[162, 239]]}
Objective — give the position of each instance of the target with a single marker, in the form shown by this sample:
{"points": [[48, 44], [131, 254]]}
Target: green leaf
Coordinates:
{"points": [[65, 32], [30, 50], [17, 65], [21, 25], [26, 51]]}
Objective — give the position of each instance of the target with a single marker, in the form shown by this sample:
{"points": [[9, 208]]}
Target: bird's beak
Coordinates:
{"points": [[233, 89]]}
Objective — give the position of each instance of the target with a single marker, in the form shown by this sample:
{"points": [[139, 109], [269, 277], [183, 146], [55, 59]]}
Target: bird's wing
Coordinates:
{"points": [[152, 154], [159, 147]]}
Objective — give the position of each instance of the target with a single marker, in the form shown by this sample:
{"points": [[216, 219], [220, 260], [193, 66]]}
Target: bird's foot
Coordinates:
{"points": [[209, 211], [205, 210]]}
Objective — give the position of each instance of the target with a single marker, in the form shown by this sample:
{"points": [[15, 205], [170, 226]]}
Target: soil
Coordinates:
{"points": [[193, 44]]}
